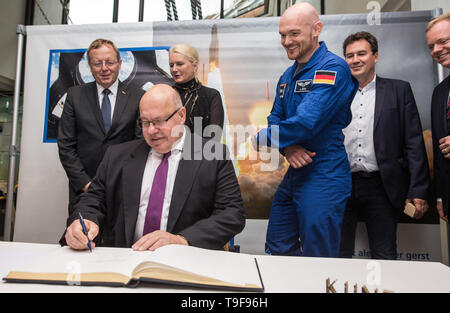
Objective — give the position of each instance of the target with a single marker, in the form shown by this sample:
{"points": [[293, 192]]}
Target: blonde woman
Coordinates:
{"points": [[199, 100]]}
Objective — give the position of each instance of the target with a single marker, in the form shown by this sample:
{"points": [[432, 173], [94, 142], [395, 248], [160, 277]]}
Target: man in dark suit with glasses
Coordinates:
{"points": [[162, 189], [95, 116]]}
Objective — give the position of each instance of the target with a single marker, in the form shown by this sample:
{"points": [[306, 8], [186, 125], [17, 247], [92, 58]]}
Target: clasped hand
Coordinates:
{"points": [[298, 156]]}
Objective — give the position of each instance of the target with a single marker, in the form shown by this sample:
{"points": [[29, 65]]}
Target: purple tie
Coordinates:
{"points": [[106, 109], [156, 200]]}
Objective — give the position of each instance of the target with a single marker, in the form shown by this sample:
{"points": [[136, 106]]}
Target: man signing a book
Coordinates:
{"points": [[166, 188]]}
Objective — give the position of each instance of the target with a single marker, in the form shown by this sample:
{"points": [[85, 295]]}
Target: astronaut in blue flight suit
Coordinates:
{"points": [[311, 108]]}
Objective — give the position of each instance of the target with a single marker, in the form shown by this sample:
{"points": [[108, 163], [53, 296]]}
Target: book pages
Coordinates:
{"points": [[101, 260], [235, 268]]}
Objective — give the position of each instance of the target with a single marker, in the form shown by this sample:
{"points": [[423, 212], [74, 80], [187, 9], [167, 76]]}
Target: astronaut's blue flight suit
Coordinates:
{"points": [[311, 109]]}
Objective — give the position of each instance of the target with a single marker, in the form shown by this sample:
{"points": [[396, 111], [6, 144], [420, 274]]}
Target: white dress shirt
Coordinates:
{"points": [[153, 161], [112, 95], [359, 133]]}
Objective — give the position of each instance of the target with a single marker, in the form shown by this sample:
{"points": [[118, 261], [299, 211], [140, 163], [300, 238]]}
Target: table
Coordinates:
{"points": [[280, 274]]}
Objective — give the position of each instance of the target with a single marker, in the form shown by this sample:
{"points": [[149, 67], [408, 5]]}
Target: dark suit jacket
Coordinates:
{"points": [[82, 140], [439, 130], [398, 140], [206, 206]]}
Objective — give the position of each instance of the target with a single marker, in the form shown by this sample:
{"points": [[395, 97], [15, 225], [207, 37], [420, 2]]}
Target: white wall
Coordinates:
{"points": [[52, 10], [12, 13], [420, 5], [350, 6], [358, 6]]}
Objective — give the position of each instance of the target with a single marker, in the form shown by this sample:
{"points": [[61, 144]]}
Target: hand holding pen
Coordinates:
{"points": [[83, 227], [81, 233]]}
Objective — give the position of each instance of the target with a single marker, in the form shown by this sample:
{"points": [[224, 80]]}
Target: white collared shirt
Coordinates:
{"points": [[112, 95], [153, 161], [359, 133]]}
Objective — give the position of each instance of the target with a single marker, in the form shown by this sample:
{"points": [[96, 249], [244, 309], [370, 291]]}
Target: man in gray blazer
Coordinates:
{"points": [[162, 189], [95, 116]]}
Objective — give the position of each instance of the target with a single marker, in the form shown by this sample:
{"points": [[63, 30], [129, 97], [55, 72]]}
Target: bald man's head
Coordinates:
{"points": [[162, 117], [303, 11], [162, 93], [299, 29]]}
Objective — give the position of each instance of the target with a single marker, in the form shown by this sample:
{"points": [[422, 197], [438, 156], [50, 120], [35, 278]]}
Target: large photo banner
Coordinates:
{"points": [[241, 58]]}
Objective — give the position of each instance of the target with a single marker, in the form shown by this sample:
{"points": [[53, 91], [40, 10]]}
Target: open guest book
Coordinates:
{"points": [[171, 264]]}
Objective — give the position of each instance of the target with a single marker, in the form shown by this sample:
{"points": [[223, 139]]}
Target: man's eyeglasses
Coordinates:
{"points": [[157, 123], [107, 64]]}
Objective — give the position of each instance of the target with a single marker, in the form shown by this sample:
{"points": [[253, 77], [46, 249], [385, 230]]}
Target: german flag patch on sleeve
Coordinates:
{"points": [[324, 77]]}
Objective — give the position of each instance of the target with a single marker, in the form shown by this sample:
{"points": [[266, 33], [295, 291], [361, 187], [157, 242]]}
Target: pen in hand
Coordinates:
{"points": [[83, 226]]}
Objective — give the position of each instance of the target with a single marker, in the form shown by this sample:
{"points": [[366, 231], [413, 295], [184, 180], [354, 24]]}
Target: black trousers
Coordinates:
{"points": [[370, 203]]}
